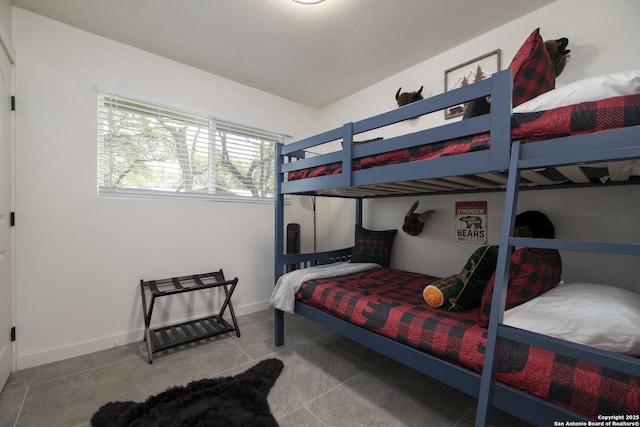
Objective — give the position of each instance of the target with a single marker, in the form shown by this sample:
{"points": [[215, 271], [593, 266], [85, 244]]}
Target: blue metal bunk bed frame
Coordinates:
{"points": [[503, 155]]}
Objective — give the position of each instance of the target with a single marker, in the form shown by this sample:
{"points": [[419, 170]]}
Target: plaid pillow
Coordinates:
{"points": [[532, 70], [373, 246], [533, 272]]}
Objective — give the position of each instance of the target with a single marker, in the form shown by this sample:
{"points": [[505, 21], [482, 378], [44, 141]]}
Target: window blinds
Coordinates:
{"points": [[148, 149]]}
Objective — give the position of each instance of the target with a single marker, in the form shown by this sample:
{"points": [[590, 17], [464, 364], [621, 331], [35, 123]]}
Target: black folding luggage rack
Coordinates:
{"points": [[171, 336]]}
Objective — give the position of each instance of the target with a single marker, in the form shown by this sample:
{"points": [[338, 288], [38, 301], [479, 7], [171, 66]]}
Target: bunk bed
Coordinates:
{"points": [[491, 152]]}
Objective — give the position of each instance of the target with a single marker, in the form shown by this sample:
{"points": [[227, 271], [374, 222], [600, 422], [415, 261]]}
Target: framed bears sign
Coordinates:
{"points": [[471, 222]]}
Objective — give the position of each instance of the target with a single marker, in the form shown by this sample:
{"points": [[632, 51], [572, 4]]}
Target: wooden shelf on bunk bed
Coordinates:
{"points": [[166, 337]]}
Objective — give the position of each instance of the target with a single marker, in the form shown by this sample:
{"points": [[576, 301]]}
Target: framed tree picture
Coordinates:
{"points": [[469, 72]]}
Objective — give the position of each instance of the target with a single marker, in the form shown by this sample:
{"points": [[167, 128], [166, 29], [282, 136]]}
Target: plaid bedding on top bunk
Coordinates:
{"points": [[389, 302], [587, 117]]}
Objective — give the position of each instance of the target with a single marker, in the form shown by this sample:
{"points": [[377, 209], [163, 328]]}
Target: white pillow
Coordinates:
{"points": [[601, 316], [585, 90]]}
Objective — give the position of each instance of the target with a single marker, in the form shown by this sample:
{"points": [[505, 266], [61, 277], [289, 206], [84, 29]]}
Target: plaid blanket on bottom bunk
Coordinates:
{"points": [[587, 117], [389, 302]]}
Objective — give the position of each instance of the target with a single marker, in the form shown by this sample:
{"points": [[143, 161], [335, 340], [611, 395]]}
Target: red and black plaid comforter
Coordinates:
{"points": [[587, 117], [389, 302]]}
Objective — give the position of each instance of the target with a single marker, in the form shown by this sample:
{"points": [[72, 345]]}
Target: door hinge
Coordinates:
{"points": [[13, 103], [13, 334], [12, 219]]}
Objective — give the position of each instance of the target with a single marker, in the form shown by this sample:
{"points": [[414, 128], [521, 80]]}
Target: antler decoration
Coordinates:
{"points": [[414, 223], [408, 97]]}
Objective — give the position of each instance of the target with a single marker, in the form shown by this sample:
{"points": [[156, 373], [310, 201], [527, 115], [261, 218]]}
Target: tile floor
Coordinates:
{"points": [[327, 381]]}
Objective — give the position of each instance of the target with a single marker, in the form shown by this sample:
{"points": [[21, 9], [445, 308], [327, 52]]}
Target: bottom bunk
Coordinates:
{"points": [[384, 309]]}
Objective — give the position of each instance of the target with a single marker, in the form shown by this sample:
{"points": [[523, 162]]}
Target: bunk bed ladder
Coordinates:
{"points": [[625, 146], [485, 396]]}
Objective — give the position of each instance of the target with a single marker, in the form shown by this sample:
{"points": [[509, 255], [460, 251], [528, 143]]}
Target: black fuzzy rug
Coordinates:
{"points": [[228, 401]]}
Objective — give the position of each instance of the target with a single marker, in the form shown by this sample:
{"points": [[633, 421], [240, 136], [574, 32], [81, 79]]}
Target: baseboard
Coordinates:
{"points": [[79, 349]]}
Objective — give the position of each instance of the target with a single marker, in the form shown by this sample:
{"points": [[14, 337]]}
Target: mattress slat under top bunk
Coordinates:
{"points": [[473, 154]]}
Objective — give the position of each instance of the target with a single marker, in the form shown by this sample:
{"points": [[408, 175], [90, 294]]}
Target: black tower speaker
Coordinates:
{"points": [[293, 238]]}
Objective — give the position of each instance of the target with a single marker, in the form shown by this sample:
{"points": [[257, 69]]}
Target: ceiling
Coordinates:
{"points": [[311, 54]]}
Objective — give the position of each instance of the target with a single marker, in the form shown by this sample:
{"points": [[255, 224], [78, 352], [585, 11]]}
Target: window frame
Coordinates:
{"points": [[216, 128]]}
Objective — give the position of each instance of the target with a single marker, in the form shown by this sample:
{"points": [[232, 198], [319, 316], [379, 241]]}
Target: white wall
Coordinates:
{"points": [[5, 29], [5, 17], [606, 214], [602, 40], [79, 258]]}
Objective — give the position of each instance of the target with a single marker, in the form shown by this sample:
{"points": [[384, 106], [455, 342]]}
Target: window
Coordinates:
{"points": [[147, 149]]}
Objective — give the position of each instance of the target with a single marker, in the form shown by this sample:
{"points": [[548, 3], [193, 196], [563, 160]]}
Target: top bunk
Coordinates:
{"points": [[587, 142]]}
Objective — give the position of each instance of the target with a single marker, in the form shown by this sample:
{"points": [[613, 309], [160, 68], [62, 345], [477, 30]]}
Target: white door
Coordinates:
{"points": [[6, 299]]}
